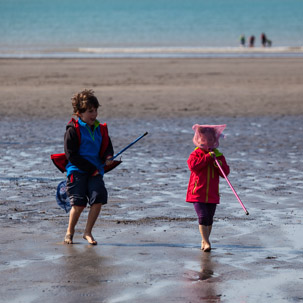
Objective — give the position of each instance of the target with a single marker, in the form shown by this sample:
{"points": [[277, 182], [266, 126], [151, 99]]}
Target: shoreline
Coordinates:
{"points": [[155, 52]]}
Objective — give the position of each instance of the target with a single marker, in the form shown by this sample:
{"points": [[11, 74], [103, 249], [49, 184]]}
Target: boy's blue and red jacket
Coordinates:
{"points": [[85, 149]]}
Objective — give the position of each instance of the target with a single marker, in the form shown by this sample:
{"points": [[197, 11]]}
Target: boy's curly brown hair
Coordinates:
{"points": [[84, 100]]}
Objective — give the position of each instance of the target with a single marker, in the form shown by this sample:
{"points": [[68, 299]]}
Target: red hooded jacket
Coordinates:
{"points": [[203, 183]]}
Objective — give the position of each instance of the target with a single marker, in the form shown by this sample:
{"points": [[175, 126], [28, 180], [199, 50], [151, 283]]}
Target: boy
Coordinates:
{"points": [[87, 148]]}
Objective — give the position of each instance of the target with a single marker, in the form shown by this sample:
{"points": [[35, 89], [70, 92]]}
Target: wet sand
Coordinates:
{"points": [[148, 236]]}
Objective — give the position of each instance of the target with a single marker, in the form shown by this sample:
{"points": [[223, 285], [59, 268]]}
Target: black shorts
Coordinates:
{"points": [[82, 188]]}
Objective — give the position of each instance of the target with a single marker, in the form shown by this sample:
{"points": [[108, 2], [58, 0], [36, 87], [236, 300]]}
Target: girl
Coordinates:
{"points": [[203, 187]]}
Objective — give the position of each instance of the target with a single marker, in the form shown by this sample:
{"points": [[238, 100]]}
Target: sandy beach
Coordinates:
{"points": [[137, 88], [148, 235]]}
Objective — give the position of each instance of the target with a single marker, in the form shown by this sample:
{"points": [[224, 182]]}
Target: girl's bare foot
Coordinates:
{"points": [[90, 239], [207, 248], [202, 245], [68, 239]]}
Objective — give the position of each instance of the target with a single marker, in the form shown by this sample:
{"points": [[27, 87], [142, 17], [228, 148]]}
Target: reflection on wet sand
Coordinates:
{"points": [[202, 281], [206, 273], [207, 267], [83, 270], [82, 264]]}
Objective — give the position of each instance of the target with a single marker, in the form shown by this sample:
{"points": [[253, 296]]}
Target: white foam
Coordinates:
{"points": [[190, 50], [157, 52]]}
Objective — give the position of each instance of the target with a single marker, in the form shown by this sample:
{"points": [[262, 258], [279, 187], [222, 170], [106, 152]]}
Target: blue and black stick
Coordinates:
{"points": [[128, 146]]}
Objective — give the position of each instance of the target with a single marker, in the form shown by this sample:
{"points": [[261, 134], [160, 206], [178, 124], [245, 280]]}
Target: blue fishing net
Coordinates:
{"points": [[62, 198]]}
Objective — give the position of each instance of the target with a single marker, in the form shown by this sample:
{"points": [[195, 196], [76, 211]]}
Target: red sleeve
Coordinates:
{"points": [[198, 161]]}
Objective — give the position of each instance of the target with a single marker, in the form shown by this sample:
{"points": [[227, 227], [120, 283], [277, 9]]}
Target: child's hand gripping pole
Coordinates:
{"points": [[217, 162], [128, 146]]}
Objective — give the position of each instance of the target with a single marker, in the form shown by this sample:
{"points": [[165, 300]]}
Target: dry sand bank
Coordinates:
{"points": [[154, 87]]}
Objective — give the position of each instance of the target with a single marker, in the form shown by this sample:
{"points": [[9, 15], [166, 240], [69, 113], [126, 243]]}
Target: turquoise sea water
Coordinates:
{"points": [[78, 27]]}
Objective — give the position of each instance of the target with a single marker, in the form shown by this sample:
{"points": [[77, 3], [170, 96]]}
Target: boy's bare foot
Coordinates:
{"points": [[68, 239], [90, 239]]}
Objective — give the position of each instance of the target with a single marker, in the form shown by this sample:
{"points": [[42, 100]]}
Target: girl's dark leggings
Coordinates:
{"points": [[205, 212]]}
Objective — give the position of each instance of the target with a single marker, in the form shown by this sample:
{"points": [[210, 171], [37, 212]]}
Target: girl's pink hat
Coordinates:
{"points": [[200, 139]]}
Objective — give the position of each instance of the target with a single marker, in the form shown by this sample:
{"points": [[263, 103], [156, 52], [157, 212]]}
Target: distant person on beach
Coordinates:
{"points": [[242, 40], [268, 42], [203, 186], [86, 158], [263, 39], [252, 41]]}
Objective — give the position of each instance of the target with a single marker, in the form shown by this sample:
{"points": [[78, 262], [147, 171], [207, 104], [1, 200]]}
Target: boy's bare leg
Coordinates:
{"points": [[91, 220], [74, 215]]}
